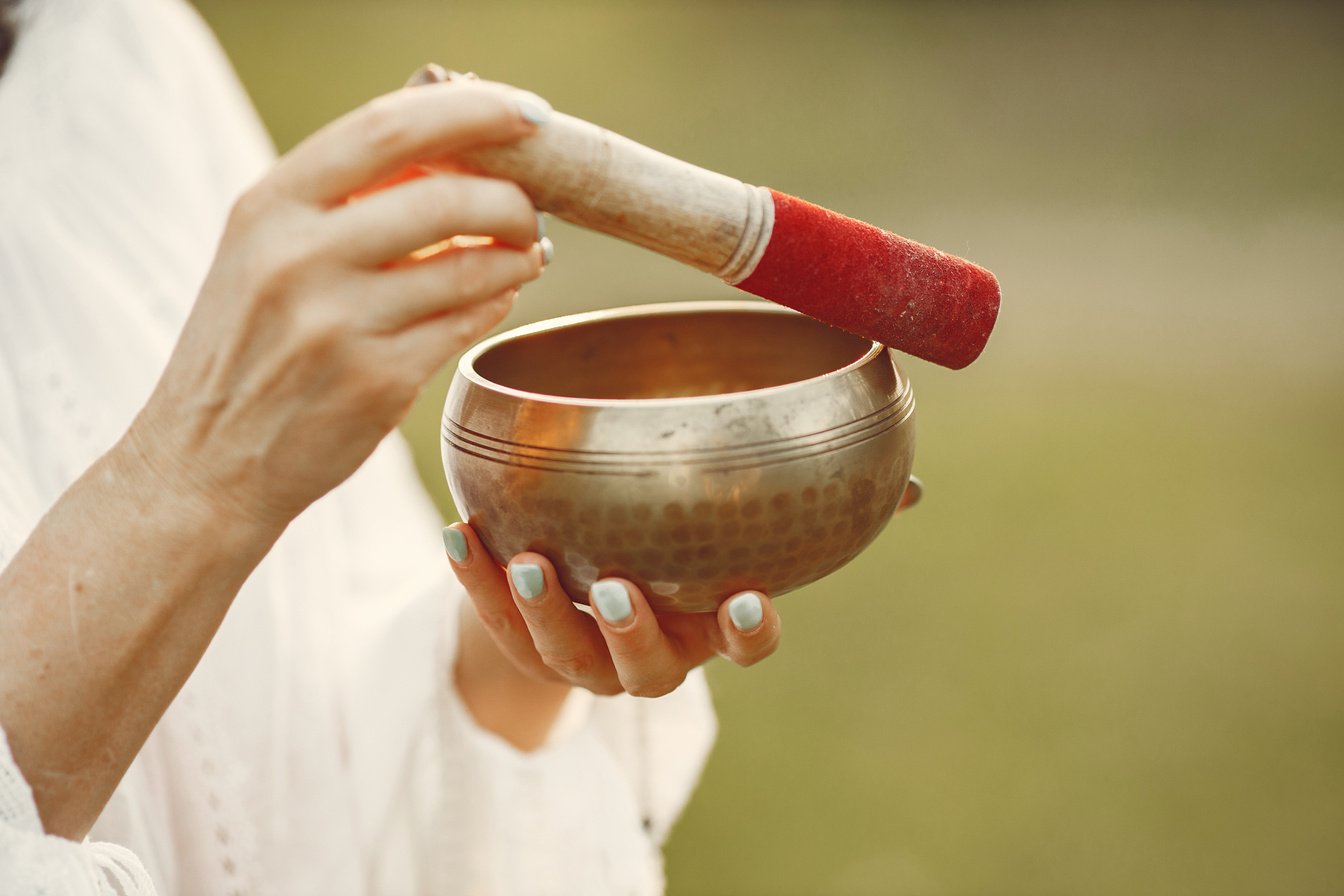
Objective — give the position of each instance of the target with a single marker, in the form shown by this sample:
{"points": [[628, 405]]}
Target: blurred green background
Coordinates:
{"points": [[1106, 654]]}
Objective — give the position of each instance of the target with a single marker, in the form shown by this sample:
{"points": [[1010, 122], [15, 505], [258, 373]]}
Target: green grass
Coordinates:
{"points": [[1105, 654]]}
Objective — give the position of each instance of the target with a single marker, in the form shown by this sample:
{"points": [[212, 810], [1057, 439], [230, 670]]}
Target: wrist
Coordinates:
{"points": [[153, 468]]}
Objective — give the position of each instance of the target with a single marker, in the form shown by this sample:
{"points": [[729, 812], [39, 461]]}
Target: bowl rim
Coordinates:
{"points": [[466, 365]]}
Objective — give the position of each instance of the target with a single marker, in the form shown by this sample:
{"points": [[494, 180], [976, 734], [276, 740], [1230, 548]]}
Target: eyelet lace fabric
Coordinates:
{"points": [[33, 863], [319, 747]]}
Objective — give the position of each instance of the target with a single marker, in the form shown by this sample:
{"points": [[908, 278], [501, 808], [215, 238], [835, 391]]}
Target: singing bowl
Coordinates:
{"points": [[697, 448]]}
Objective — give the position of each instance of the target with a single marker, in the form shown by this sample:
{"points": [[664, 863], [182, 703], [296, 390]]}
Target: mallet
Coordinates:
{"points": [[852, 275]]}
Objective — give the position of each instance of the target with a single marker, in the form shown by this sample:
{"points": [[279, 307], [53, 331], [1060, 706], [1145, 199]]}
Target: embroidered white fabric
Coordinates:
{"points": [[319, 747]]}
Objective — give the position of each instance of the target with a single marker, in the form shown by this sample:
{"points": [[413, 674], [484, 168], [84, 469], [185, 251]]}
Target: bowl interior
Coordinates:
{"points": [[671, 355]]}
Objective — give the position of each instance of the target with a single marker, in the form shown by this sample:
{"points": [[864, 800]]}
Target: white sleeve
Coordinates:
{"points": [[34, 863], [651, 750], [20, 507], [585, 813]]}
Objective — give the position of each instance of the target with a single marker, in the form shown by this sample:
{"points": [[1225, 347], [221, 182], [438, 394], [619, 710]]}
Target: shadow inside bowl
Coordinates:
{"points": [[670, 355]]}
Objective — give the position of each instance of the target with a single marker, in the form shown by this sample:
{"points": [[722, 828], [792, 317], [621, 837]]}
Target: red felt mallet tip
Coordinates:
{"points": [[876, 284]]}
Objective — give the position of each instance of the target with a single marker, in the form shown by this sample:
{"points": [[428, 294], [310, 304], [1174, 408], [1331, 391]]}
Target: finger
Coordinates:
{"points": [[745, 630], [396, 298], [407, 127], [410, 172], [489, 593], [749, 626], [647, 663], [420, 212], [566, 638], [429, 344]]}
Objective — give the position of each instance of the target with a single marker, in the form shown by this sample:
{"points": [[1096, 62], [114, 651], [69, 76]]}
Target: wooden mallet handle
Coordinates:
{"points": [[837, 269], [589, 176]]}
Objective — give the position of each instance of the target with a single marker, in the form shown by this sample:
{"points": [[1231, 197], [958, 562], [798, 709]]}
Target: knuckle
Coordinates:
{"points": [[570, 666], [322, 332], [249, 207], [495, 621], [283, 266], [498, 621], [655, 686]]}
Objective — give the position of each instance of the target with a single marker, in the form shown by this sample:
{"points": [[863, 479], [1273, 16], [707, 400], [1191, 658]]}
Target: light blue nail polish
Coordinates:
{"points": [[611, 600], [541, 226], [547, 250], [455, 543], [528, 579], [746, 611], [533, 108]]}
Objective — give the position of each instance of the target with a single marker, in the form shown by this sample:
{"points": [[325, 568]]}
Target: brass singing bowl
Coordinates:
{"points": [[698, 449]]}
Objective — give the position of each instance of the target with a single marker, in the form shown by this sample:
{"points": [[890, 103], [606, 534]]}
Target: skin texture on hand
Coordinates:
{"points": [[311, 336], [552, 645], [315, 330]]}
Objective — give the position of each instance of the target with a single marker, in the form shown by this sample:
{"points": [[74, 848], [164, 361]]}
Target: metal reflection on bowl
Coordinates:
{"points": [[696, 448]]}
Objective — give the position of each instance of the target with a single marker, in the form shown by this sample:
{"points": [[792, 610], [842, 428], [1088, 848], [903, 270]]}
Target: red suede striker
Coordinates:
{"points": [[876, 284]]}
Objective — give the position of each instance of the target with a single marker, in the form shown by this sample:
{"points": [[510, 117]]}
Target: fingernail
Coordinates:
{"points": [[430, 73], [547, 250], [611, 600], [455, 543], [746, 611], [541, 227], [528, 579], [532, 107]]}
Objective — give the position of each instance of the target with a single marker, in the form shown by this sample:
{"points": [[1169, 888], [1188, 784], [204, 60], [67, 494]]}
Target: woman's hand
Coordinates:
{"points": [[310, 338], [622, 646], [316, 328]]}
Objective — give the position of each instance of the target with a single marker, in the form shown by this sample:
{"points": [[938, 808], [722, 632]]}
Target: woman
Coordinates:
{"points": [[352, 725]]}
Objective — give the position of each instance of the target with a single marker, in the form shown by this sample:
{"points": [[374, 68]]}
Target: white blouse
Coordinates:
{"points": [[319, 747]]}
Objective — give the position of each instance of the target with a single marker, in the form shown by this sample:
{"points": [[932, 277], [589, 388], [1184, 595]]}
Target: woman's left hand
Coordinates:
{"points": [[622, 646]]}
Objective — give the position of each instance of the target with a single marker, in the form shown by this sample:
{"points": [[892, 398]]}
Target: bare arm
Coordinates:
{"points": [[107, 609], [310, 339]]}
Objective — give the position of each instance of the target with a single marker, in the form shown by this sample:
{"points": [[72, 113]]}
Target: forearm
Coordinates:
{"points": [[107, 608]]}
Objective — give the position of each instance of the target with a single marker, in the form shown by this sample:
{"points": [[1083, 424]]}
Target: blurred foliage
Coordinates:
{"points": [[1105, 654]]}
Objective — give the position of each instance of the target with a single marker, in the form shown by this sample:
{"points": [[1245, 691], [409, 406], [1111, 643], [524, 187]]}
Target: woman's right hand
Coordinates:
{"points": [[314, 330]]}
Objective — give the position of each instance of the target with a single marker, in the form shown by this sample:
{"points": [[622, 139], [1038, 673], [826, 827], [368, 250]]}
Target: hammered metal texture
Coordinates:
{"points": [[698, 449]]}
